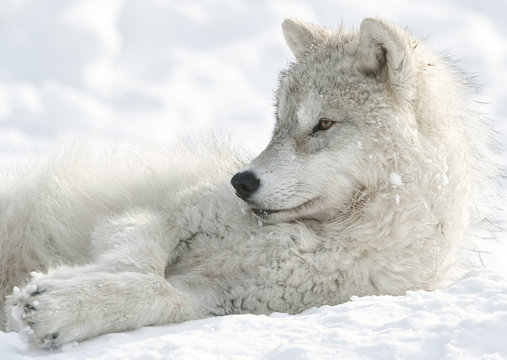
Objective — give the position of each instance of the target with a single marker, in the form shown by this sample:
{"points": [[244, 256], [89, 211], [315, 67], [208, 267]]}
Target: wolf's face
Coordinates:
{"points": [[329, 104]]}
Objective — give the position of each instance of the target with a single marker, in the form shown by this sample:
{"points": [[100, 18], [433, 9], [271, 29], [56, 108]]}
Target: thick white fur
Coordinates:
{"points": [[377, 204]]}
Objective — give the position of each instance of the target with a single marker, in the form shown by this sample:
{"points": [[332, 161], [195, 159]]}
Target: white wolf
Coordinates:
{"points": [[365, 188]]}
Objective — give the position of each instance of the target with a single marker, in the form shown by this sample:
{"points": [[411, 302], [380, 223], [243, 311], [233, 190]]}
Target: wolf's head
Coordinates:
{"points": [[344, 113]]}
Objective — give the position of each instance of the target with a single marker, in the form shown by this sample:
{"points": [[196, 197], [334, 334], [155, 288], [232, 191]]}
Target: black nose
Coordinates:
{"points": [[245, 184]]}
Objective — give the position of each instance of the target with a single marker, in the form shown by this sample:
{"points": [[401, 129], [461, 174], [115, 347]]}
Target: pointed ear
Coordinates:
{"points": [[384, 51], [301, 36]]}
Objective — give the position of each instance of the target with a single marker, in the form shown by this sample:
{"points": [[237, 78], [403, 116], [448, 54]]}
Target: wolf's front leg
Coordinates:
{"points": [[53, 312], [122, 288]]}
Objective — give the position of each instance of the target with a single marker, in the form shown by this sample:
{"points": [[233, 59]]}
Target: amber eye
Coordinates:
{"points": [[323, 124]]}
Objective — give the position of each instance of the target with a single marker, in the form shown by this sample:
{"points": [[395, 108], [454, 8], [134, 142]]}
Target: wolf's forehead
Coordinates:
{"points": [[309, 107], [304, 94], [300, 112]]}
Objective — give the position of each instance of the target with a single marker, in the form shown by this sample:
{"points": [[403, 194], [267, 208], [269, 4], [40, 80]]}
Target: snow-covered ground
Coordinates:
{"points": [[466, 321], [155, 70]]}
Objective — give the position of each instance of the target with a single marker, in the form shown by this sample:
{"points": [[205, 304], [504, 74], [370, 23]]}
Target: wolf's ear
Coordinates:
{"points": [[384, 51], [301, 36]]}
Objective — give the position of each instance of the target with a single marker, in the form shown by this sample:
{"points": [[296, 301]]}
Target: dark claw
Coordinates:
{"points": [[28, 307], [39, 291], [49, 341]]}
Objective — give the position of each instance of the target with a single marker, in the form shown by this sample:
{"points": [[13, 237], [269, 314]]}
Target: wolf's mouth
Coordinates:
{"points": [[265, 212]]}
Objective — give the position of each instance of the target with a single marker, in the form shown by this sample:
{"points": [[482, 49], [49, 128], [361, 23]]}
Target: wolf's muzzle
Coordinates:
{"points": [[245, 183]]}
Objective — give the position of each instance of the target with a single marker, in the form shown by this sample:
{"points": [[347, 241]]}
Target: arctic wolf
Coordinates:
{"points": [[365, 188]]}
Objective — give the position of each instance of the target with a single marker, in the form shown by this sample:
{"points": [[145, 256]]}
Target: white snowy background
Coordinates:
{"points": [[155, 70]]}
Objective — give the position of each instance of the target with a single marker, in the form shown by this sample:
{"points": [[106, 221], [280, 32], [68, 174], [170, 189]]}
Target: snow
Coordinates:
{"points": [[466, 321], [155, 70], [395, 179]]}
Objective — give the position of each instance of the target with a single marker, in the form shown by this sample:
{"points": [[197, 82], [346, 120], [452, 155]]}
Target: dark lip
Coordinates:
{"points": [[266, 212]]}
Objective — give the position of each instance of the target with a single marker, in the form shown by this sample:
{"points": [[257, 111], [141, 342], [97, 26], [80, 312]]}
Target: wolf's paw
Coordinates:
{"points": [[46, 313]]}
